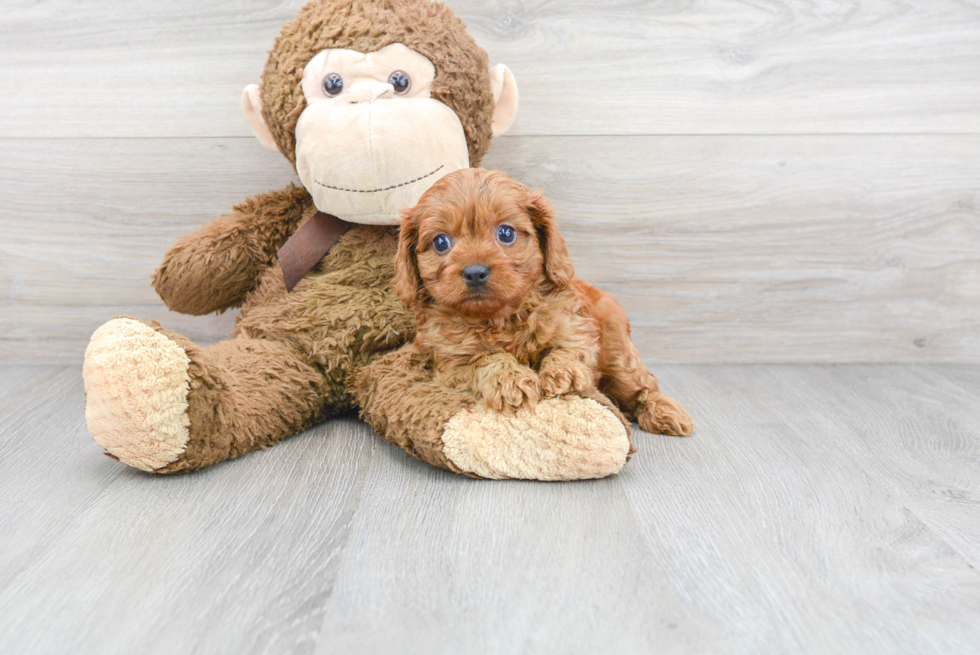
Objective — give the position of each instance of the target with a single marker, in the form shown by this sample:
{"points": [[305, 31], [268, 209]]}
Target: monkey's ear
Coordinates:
{"points": [[557, 262], [505, 97], [252, 106], [408, 280]]}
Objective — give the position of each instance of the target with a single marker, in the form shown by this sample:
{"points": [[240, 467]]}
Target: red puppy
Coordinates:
{"points": [[500, 311]]}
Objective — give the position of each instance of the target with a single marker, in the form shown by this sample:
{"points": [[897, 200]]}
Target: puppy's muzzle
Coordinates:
{"points": [[476, 275]]}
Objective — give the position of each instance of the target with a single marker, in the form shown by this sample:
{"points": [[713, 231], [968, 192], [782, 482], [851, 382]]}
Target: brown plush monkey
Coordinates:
{"points": [[372, 101]]}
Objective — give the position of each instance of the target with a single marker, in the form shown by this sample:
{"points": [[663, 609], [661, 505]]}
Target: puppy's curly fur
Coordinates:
{"points": [[500, 311]]}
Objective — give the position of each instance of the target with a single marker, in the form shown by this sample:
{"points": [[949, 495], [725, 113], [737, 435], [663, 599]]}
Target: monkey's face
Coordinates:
{"points": [[372, 117], [372, 139]]}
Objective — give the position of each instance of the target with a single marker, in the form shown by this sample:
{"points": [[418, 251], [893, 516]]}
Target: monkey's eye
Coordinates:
{"points": [[442, 243], [333, 84], [506, 234], [401, 81]]}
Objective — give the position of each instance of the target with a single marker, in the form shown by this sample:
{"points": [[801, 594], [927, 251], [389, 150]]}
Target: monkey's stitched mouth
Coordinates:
{"points": [[387, 188]]}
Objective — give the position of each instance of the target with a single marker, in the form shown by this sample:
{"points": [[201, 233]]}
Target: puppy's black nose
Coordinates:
{"points": [[476, 274]]}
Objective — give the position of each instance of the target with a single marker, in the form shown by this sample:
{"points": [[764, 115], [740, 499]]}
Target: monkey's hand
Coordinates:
{"points": [[563, 371], [505, 384], [214, 268]]}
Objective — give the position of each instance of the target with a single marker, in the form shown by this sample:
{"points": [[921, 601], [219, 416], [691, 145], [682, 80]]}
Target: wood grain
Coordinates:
{"points": [[15, 378], [816, 509], [722, 249], [44, 446], [912, 429], [519, 567], [769, 501], [72, 69], [774, 249], [98, 558]]}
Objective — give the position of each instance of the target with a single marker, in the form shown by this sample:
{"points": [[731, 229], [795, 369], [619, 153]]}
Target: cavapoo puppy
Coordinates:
{"points": [[500, 311]]}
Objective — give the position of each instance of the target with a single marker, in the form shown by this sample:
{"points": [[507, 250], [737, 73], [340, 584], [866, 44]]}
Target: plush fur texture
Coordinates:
{"points": [[149, 398], [285, 367], [297, 358], [214, 268], [287, 363], [574, 439], [462, 78], [531, 330], [555, 443]]}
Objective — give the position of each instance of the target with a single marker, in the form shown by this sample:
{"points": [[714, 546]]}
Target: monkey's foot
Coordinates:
{"points": [[568, 438], [660, 414], [563, 438], [136, 386]]}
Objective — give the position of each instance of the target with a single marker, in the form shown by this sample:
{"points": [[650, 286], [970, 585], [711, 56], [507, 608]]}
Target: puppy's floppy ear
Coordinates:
{"points": [[557, 263], [408, 281]]}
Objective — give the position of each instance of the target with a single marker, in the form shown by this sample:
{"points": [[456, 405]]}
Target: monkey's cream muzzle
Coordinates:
{"points": [[366, 161], [368, 151]]}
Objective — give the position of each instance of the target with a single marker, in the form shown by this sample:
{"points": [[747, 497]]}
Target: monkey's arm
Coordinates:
{"points": [[213, 268]]}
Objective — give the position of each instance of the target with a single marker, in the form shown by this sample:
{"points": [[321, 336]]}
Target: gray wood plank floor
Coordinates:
{"points": [[818, 509]]}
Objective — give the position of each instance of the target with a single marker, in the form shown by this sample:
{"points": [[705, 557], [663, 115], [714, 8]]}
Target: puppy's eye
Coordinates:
{"points": [[442, 243], [333, 84], [506, 234], [401, 81]]}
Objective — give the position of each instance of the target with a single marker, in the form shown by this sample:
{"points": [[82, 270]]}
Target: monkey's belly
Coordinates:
{"points": [[343, 313]]}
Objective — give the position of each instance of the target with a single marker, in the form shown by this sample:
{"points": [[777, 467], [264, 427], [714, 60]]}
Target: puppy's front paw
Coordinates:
{"points": [[572, 376], [512, 389]]}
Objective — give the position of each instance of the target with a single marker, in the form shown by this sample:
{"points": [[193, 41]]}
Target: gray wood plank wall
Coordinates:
{"points": [[756, 181]]}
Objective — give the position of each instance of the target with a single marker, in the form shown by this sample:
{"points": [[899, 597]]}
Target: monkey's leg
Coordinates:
{"points": [[626, 380], [158, 402], [567, 438]]}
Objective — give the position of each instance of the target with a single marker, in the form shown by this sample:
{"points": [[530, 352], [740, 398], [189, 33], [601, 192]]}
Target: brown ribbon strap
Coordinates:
{"points": [[308, 245]]}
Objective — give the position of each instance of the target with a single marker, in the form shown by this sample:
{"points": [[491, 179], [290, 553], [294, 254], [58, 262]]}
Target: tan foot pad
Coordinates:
{"points": [[556, 439], [136, 386]]}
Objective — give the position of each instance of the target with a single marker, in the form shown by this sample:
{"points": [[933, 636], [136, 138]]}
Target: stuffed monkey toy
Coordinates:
{"points": [[372, 101]]}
